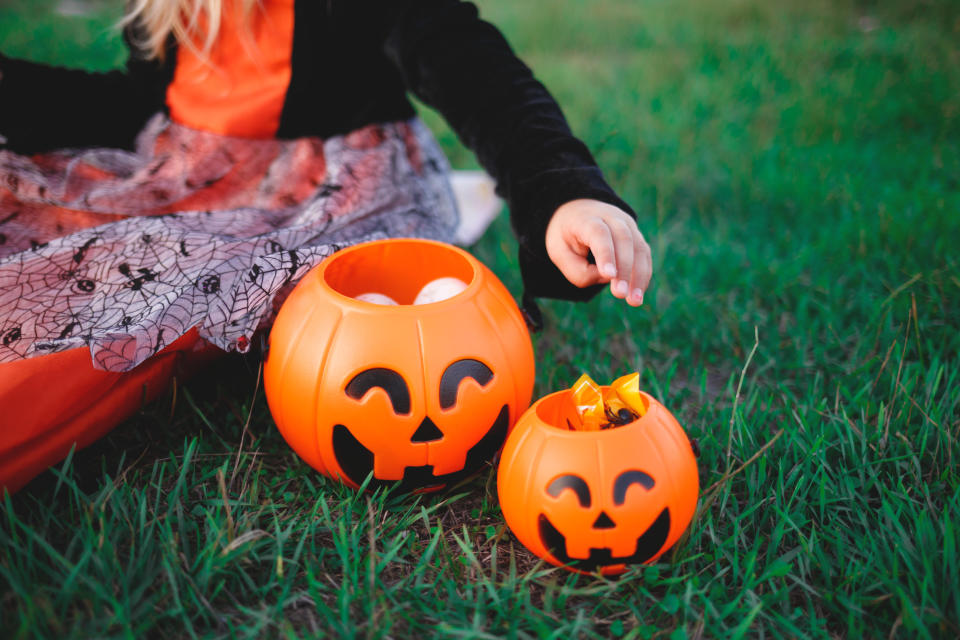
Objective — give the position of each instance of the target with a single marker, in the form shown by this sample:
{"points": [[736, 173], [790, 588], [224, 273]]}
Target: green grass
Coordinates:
{"points": [[796, 168]]}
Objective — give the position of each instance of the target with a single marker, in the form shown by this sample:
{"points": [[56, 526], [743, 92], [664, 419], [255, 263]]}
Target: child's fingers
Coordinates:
{"points": [[600, 242], [574, 266], [642, 269], [623, 244], [581, 229], [581, 273]]}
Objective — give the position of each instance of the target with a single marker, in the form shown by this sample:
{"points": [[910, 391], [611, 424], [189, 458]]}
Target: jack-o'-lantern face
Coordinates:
{"points": [[427, 439], [579, 522], [417, 395], [597, 500]]}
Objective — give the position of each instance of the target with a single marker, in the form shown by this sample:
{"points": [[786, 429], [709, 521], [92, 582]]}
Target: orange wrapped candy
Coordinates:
{"points": [[589, 403], [606, 407]]}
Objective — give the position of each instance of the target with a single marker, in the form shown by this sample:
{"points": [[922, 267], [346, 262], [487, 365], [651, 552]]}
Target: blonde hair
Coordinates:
{"points": [[158, 19]]}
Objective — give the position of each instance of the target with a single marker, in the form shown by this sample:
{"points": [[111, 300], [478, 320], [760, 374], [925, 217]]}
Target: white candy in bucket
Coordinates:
{"points": [[376, 298], [440, 289]]}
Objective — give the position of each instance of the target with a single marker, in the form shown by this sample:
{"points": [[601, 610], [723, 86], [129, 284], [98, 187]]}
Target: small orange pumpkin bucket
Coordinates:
{"points": [[418, 394], [597, 500]]}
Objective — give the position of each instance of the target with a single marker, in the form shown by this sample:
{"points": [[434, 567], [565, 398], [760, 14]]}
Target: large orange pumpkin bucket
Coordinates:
{"points": [[597, 500], [420, 395]]}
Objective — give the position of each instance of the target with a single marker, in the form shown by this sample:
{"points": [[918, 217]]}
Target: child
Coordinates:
{"points": [[149, 213]]}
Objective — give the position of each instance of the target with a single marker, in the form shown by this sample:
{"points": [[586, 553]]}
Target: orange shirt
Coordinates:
{"points": [[240, 89]]}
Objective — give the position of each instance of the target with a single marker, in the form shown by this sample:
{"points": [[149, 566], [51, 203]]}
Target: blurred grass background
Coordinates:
{"points": [[796, 169]]}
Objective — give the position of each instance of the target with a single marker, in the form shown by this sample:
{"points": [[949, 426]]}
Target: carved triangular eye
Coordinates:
{"points": [[575, 483], [388, 380], [456, 373], [627, 478]]}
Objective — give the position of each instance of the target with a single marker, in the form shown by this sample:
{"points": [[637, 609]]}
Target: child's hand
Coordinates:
{"points": [[621, 253]]}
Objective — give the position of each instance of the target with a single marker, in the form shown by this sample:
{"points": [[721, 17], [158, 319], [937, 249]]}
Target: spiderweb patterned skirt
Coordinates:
{"points": [[192, 239]]}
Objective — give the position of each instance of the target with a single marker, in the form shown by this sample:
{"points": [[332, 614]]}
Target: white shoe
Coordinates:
{"points": [[479, 205]]}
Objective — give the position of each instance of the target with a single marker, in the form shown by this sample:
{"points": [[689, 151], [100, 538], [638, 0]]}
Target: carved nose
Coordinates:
{"points": [[427, 432], [604, 522]]}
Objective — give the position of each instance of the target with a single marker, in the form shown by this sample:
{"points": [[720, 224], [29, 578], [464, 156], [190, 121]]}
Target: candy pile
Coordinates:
{"points": [[606, 407], [433, 291]]}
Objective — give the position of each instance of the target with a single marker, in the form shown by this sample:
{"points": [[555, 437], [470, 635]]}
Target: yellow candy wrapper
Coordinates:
{"points": [[607, 407], [628, 390], [589, 403]]}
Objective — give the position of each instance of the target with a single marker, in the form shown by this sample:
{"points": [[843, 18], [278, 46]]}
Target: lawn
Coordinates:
{"points": [[796, 169]]}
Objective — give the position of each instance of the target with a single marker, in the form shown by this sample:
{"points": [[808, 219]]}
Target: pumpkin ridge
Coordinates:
{"points": [[285, 357], [517, 398], [327, 347], [423, 381], [531, 473], [673, 497], [284, 364], [601, 473]]}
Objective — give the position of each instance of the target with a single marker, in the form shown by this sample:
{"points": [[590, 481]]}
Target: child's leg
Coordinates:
{"points": [[51, 403]]}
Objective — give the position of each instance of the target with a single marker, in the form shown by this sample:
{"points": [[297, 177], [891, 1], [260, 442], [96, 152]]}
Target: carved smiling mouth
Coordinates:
{"points": [[648, 544], [356, 460]]}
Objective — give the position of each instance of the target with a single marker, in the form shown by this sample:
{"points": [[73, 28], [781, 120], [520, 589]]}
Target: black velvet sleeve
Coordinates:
{"points": [[464, 67], [44, 107]]}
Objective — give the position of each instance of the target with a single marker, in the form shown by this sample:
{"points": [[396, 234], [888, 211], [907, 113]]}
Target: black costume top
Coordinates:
{"points": [[372, 51]]}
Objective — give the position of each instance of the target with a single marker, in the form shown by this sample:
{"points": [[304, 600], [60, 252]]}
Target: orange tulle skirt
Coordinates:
{"points": [[55, 402]]}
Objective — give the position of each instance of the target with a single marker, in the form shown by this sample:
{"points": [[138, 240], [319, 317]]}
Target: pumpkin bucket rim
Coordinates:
{"points": [[342, 288], [547, 403]]}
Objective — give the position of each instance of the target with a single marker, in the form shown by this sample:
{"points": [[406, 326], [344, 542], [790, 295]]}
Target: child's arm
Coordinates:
{"points": [[561, 207], [44, 107]]}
